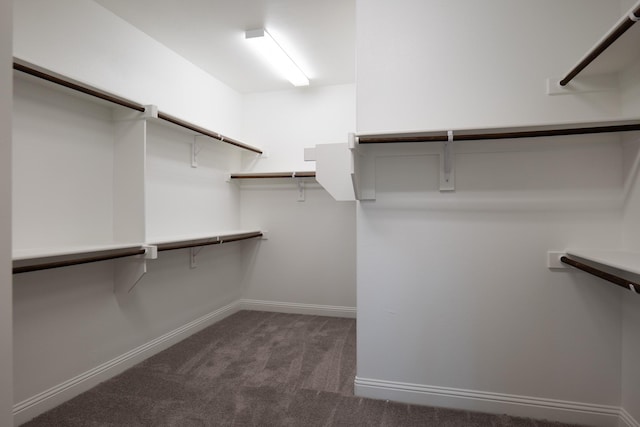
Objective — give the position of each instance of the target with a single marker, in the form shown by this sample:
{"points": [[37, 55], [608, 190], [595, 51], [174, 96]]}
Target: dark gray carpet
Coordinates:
{"points": [[255, 369]]}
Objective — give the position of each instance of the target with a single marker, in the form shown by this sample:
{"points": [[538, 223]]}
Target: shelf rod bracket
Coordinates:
{"points": [[128, 271], [447, 165], [195, 150], [193, 256]]}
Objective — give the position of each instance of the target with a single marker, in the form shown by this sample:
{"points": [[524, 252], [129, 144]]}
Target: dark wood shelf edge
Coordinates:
{"points": [[50, 76], [265, 175], [466, 136], [612, 278], [195, 128], [206, 241], [57, 261], [603, 45]]}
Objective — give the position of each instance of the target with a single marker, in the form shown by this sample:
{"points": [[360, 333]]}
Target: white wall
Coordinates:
{"points": [[310, 255], [631, 304], [68, 322], [309, 259], [630, 89], [105, 51], [454, 295], [284, 123], [6, 341], [442, 65], [453, 289]]}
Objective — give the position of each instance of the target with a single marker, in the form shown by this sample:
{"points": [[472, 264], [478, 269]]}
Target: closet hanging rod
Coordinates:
{"points": [[216, 240], [58, 79], [105, 256], [624, 283], [203, 131], [533, 133], [273, 175], [609, 39]]}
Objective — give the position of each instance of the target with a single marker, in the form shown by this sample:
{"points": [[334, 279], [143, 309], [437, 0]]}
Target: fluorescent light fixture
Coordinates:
{"points": [[278, 58]]}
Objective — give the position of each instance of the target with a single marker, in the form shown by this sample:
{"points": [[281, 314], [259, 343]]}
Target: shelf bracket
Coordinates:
{"points": [[301, 195], [128, 271], [193, 256], [195, 150], [447, 165]]}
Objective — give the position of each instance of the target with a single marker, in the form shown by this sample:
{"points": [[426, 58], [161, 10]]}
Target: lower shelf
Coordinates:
{"points": [[25, 261]]}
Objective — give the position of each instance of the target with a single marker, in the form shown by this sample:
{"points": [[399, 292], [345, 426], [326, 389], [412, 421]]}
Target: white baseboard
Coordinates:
{"points": [[473, 400], [297, 308], [626, 420], [49, 399]]}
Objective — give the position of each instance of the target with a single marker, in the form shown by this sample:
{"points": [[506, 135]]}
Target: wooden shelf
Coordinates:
{"points": [[150, 111], [206, 132], [205, 240], [267, 175], [46, 258], [617, 49], [621, 260], [514, 132]]}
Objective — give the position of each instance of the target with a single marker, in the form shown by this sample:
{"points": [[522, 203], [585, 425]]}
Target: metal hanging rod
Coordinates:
{"points": [[215, 240], [58, 79], [627, 284], [65, 261], [609, 39], [203, 131], [466, 136], [273, 175]]}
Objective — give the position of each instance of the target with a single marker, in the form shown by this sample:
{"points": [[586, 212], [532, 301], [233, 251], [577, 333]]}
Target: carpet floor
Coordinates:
{"points": [[255, 369]]}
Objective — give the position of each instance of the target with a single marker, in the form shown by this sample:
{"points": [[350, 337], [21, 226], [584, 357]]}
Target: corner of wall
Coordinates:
{"points": [[6, 340]]}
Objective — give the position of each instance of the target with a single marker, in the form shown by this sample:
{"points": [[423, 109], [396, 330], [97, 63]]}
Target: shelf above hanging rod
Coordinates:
{"points": [[195, 128], [50, 76], [617, 280], [37, 263], [266, 175], [206, 241], [61, 80], [610, 38], [501, 133]]}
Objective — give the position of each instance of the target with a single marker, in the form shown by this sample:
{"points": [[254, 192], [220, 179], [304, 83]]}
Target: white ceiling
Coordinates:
{"points": [[318, 34]]}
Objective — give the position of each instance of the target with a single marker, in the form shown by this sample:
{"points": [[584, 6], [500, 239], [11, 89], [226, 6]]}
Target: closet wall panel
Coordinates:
{"points": [[454, 294], [6, 320]]}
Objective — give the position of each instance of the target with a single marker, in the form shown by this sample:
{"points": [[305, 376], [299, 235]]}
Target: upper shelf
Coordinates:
{"points": [[614, 51], [150, 111], [206, 240], [263, 175], [621, 260], [502, 133]]}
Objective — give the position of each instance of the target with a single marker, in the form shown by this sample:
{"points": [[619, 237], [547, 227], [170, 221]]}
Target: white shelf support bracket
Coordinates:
{"points": [[553, 260], [195, 150], [301, 195], [193, 256], [150, 111], [447, 165], [128, 271]]}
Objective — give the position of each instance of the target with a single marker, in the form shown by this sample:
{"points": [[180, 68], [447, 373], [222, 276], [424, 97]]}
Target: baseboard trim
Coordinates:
{"points": [[474, 400], [626, 420], [298, 308], [48, 399]]}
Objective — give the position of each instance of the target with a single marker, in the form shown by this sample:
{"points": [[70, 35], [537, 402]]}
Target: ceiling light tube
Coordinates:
{"points": [[275, 55]]}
